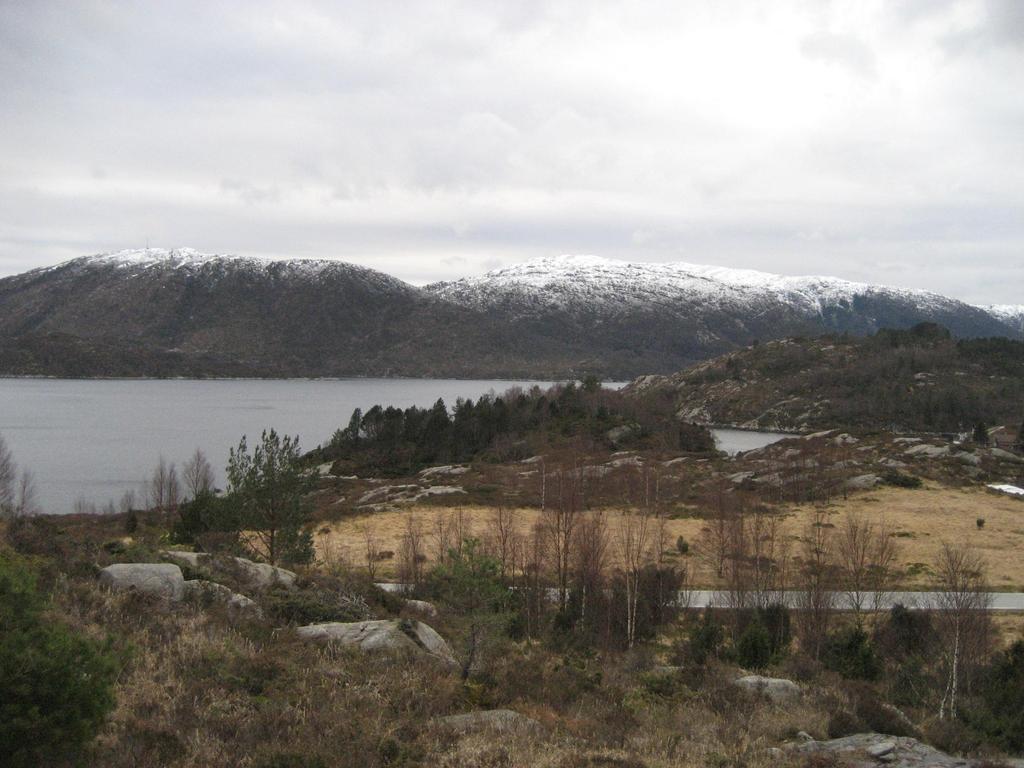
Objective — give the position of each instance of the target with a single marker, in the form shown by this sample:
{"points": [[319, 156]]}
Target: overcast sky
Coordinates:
{"points": [[879, 141]]}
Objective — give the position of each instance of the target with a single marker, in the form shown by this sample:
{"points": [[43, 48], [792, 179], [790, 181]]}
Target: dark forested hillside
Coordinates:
{"points": [[917, 379]]}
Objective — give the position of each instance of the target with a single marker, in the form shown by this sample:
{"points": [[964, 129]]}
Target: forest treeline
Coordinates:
{"points": [[506, 427]]}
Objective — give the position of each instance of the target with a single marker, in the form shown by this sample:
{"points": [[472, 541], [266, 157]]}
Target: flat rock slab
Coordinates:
{"points": [[869, 749], [161, 579], [490, 719], [929, 451], [777, 689], [383, 635]]}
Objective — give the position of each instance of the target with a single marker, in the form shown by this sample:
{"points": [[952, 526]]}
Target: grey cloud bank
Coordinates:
{"points": [[870, 140]]}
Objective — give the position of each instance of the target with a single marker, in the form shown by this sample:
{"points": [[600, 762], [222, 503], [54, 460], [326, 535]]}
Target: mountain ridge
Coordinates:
{"points": [[181, 312]]}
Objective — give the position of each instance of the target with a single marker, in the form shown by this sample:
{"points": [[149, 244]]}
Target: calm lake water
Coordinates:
{"points": [[95, 440], [733, 441]]}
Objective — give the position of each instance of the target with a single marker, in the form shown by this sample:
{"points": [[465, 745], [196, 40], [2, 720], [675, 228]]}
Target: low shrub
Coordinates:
{"points": [[313, 605], [850, 653], [900, 479]]}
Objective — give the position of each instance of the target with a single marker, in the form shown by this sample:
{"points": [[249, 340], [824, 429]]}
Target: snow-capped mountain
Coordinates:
{"points": [[181, 312], [1011, 314], [595, 287]]}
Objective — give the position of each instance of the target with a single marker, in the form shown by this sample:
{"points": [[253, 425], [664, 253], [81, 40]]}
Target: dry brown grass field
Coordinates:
{"points": [[921, 520]]}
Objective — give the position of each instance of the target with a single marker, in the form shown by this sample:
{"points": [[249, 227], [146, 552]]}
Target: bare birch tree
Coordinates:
{"points": [[198, 475], [411, 551], [815, 596], [505, 540], [633, 540], [591, 558], [558, 522], [8, 479], [371, 550], [963, 602]]}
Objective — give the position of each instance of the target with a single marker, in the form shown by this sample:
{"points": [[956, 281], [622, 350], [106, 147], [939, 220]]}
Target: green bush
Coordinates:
{"points": [[900, 479], [999, 711], [57, 686], [850, 653], [704, 639], [754, 649]]}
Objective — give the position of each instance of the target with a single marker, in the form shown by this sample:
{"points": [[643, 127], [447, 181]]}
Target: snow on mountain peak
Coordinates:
{"points": [[174, 257], [568, 281]]}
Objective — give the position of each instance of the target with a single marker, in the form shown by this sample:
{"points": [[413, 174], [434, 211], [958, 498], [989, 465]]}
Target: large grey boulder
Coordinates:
{"points": [[999, 453], [422, 607], [866, 750], [863, 482], [964, 457], [503, 720], [383, 635], [161, 579], [210, 592], [255, 575], [777, 689]]}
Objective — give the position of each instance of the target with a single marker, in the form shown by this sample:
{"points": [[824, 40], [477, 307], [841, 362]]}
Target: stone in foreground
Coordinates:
{"points": [[777, 689], [256, 575], [161, 579], [490, 719], [867, 750], [383, 635]]}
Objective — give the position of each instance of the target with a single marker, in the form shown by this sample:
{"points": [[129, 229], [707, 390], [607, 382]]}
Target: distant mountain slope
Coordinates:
{"points": [[1010, 314], [182, 313], [179, 312], [719, 306], [919, 379]]}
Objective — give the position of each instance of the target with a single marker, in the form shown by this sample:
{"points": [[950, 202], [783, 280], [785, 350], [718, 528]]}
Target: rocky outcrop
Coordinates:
{"points": [[867, 750], [383, 635], [779, 690], [254, 575], [447, 470], [161, 579], [503, 720]]}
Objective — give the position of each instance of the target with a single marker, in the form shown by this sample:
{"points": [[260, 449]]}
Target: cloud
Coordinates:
{"points": [[844, 50], [432, 140]]}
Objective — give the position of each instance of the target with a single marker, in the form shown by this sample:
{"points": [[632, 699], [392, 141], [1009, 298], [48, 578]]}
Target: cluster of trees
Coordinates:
{"points": [[851, 566], [574, 575], [507, 426]]}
